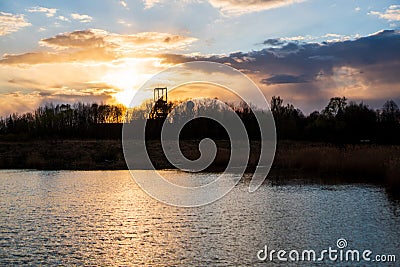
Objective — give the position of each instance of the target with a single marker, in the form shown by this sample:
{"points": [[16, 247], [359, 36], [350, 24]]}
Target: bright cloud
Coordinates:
{"points": [[150, 3], [50, 12], [124, 4], [98, 45], [235, 7], [89, 65], [95, 38], [123, 22], [11, 23], [72, 82], [18, 102], [62, 18], [391, 14], [239, 7], [81, 17]]}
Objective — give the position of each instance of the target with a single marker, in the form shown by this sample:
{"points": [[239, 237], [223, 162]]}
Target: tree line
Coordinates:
{"points": [[63, 120], [340, 121]]}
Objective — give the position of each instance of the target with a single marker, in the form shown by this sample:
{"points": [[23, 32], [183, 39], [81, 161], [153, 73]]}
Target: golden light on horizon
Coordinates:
{"points": [[128, 78], [124, 97], [202, 90]]}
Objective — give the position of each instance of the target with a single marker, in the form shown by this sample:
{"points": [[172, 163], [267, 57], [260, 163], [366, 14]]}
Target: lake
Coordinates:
{"points": [[104, 218]]}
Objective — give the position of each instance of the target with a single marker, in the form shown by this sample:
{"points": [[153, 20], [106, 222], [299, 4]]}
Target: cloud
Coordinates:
{"points": [[76, 39], [284, 78], [363, 69], [81, 17], [84, 65], [123, 43], [18, 102], [124, 4], [63, 18], [95, 45], [150, 3], [92, 55], [11, 23], [391, 14], [273, 42], [123, 22], [69, 82], [234, 7], [23, 89], [301, 58], [329, 35], [289, 48], [22, 102], [239, 7], [50, 12], [304, 73]]}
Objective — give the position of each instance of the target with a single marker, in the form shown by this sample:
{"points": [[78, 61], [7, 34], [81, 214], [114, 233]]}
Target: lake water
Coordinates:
{"points": [[104, 218]]}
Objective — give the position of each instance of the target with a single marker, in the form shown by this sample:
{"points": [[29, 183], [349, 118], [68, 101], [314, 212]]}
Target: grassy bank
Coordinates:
{"points": [[62, 155], [367, 162], [352, 161]]}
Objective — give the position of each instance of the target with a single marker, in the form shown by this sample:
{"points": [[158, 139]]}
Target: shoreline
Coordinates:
{"points": [[362, 162]]}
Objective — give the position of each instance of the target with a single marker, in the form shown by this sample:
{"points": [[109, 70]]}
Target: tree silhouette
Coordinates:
{"points": [[335, 107], [390, 111], [338, 122]]}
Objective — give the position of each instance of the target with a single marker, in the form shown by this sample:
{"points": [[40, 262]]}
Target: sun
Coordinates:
{"points": [[125, 81], [124, 97]]}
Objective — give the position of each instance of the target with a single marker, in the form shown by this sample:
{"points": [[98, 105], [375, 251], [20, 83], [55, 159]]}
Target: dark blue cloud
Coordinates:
{"points": [[273, 42], [370, 54], [284, 78], [307, 68]]}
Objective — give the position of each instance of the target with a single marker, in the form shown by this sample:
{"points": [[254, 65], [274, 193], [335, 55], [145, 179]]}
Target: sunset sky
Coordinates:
{"points": [[103, 50]]}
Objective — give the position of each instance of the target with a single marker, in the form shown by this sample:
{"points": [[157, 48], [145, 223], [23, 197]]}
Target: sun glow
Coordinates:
{"points": [[124, 97], [125, 81], [128, 76]]}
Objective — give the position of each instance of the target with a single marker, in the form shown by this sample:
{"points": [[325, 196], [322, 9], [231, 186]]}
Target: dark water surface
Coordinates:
{"points": [[104, 218]]}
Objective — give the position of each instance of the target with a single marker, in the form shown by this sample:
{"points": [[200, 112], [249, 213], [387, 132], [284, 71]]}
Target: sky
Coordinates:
{"points": [[305, 51]]}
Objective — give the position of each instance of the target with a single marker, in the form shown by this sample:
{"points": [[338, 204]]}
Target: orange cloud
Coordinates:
{"points": [[18, 102], [99, 46], [94, 54], [77, 39]]}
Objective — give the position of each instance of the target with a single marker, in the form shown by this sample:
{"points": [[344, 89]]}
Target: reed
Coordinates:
{"points": [[364, 163]]}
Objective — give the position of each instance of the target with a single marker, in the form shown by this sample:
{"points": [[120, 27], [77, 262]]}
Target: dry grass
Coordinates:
{"points": [[35, 161], [358, 162], [370, 163], [62, 154], [393, 173]]}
